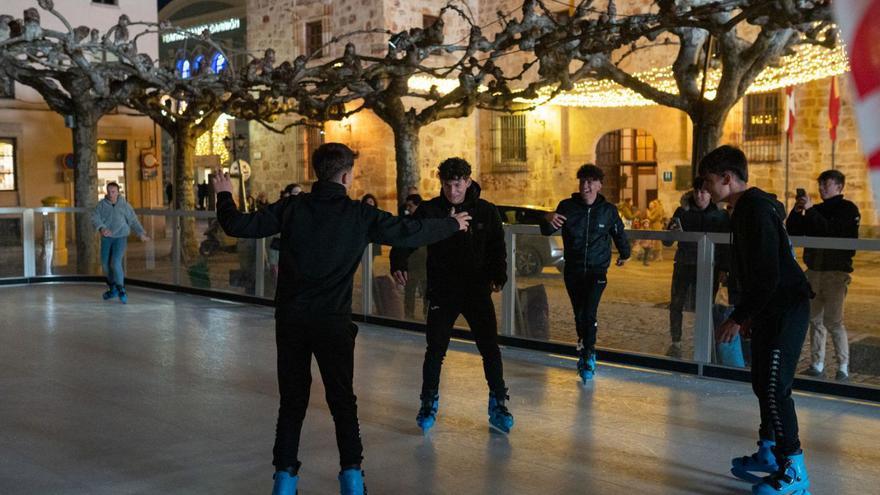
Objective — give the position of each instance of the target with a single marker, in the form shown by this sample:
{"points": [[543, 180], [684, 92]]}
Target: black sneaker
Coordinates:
{"points": [[812, 371]]}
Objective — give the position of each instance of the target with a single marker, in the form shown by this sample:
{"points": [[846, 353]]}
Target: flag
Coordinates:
{"points": [[833, 109], [860, 32], [790, 110]]}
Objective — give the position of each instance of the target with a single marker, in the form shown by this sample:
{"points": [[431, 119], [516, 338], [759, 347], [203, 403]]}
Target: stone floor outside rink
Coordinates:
{"points": [[177, 394]]}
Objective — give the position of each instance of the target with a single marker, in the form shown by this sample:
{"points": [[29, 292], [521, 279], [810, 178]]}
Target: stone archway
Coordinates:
{"points": [[629, 159]]}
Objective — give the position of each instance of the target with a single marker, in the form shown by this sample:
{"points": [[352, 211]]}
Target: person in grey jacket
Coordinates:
{"points": [[114, 218]]}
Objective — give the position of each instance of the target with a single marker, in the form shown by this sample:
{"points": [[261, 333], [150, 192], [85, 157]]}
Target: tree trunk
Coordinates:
{"points": [[85, 144], [184, 197], [406, 154], [706, 136]]}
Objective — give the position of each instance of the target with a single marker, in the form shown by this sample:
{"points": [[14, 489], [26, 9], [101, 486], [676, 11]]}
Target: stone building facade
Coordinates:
{"points": [[557, 139]]}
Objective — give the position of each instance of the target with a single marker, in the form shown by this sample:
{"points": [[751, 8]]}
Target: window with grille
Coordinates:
{"points": [[7, 87], [311, 137], [7, 164], [315, 38], [509, 143], [762, 129]]}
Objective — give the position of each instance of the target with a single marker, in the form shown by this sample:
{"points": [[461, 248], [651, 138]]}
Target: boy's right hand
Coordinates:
{"points": [[399, 276], [463, 219], [555, 219], [221, 182]]}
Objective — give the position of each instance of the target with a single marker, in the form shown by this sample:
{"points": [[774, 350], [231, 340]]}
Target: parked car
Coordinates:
{"points": [[533, 252]]}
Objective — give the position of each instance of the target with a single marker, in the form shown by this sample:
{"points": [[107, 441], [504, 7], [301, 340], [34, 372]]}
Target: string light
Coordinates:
{"points": [[211, 143], [809, 63]]}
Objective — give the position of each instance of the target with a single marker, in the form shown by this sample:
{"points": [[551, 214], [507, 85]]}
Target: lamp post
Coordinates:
{"points": [[236, 144]]}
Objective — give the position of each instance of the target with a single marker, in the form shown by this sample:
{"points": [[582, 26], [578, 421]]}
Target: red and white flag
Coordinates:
{"points": [[859, 22], [833, 109], [790, 111]]}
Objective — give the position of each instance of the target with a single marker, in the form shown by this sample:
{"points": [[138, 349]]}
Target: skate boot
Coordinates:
{"points": [[499, 417], [762, 461], [428, 412], [111, 293], [123, 297], [351, 482], [790, 479], [587, 366], [285, 483]]}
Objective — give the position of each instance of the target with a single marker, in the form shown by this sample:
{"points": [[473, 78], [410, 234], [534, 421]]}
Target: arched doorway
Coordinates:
{"points": [[629, 159]]}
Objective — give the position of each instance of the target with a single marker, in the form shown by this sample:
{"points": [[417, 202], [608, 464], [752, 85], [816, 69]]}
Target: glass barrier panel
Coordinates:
{"points": [[635, 312], [11, 247], [152, 260], [54, 243], [215, 260]]}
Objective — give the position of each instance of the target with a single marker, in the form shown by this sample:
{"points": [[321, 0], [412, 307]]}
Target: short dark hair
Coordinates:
{"points": [[454, 168], [415, 199], [835, 175], [112, 184], [331, 159], [725, 159], [369, 196], [590, 171], [698, 182]]}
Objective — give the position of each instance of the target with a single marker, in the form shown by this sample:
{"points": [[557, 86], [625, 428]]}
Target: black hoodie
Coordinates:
{"points": [[467, 260], [323, 236], [587, 234], [763, 261], [834, 217]]}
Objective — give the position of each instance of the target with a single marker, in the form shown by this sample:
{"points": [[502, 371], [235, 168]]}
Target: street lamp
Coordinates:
{"points": [[236, 144]]}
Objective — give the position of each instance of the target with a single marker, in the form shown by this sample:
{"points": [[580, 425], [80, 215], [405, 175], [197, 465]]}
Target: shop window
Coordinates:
{"points": [[7, 164], [111, 165]]}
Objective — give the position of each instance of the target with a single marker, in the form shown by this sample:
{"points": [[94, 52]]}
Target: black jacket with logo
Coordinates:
{"points": [[467, 260], [323, 236], [763, 264], [587, 234], [834, 217]]}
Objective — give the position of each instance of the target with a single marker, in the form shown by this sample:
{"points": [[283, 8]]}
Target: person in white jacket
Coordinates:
{"points": [[114, 218]]}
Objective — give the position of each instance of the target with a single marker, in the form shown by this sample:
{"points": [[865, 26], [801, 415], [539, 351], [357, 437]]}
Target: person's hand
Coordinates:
{"points": [[727, 331], [221, 182], [144, 238], [463, 218], [495, 286], [808, 203], [106, 232], [621, 261], [555, 219], [400, 277]]}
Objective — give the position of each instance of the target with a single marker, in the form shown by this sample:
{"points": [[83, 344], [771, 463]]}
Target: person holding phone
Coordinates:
{"points": [[697, 214], [828, 270]]}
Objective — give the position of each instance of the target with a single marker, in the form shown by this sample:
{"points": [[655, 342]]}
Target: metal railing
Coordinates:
{"points": [[169, 233]]}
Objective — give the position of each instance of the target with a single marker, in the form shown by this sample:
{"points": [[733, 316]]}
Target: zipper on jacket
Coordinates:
{"points": [[587, 239]]}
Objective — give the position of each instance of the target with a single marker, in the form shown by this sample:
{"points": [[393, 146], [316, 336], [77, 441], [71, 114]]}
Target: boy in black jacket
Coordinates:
{"points": [[323, 236], [828, 270], [698, 214], [463, 271], [588, 224], [774, 305]]}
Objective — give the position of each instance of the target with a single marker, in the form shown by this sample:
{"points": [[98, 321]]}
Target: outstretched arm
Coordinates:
{"points": [[262, 223]]}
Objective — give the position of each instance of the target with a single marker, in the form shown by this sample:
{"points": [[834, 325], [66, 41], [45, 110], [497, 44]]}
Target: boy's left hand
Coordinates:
{"points": [[621, 261]]}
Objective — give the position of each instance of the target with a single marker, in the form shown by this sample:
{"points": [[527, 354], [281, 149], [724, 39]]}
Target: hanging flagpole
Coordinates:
{"points": [[789, 134], [833, 117], [857, 20]]}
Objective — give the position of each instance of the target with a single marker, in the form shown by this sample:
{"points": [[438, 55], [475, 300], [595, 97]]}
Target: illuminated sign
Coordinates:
{"points": [[214, 27]]}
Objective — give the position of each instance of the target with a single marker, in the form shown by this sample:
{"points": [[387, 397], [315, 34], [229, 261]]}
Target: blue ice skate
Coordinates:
{"points": [[790, 479], [285, 483], [500, 418], [110, 294], [428, 412], [123, 297], [762, 461], [587, 367], [351, 482]]}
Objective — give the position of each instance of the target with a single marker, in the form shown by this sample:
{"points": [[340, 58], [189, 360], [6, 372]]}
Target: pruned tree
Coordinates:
{"points": [[83, 75]]}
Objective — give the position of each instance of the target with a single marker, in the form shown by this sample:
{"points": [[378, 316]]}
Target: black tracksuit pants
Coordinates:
{"points": [[479, 311], [777, 339], [585, 292], [332, 344]]}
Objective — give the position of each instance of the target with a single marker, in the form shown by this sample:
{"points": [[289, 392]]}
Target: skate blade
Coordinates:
{"points": [[746, 476], [498, 430]]}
